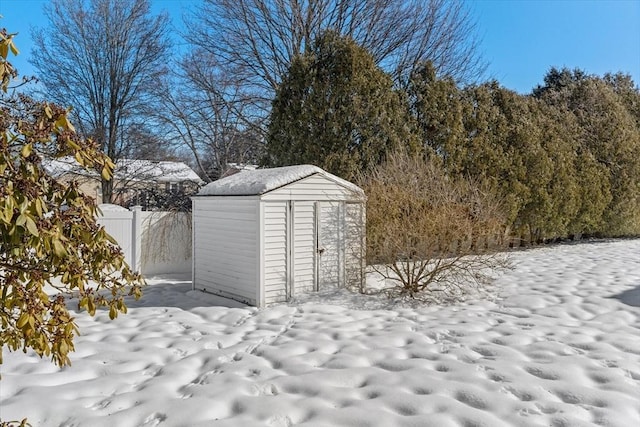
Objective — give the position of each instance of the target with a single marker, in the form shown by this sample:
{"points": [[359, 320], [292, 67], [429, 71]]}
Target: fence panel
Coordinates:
{"points": [[118, 222], [152, 242], [166, 242]]}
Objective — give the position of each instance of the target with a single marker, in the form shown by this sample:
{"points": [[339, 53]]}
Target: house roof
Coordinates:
{"points": [[127, 169], [160, 171], [261, 181]]}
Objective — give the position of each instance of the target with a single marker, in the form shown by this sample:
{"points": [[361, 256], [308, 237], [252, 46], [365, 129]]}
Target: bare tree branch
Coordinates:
{"points": [[433, 235], [114, 51], [255, 40], [208, 112]]}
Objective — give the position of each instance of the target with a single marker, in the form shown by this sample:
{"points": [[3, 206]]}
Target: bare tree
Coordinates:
{"points": [[255, 40], [206, 111], [149, 144], [114, 51]]}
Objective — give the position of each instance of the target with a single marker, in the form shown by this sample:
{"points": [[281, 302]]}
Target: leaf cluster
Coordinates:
{"points": [[7, 71], [21, 423], [51, 247]]}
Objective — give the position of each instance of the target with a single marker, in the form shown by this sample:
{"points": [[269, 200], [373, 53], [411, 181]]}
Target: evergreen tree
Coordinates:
{"points": [[608, 140], [487, 155], [629, 94], [562, 192], [438, 109], [336, 109], [566, 159]]}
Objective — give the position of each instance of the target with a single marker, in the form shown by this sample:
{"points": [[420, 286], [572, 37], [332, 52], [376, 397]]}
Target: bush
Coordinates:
{"points": [[431, 234], [49, 236]]}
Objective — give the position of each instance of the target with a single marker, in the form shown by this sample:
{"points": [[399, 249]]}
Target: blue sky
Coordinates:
{"points": [[521, 39]]}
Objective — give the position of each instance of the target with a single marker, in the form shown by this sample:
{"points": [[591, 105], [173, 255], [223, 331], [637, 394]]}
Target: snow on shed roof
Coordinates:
{"points": [[260, 181]]}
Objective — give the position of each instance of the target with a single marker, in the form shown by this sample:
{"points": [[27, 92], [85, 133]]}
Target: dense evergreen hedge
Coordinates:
{"points": [[565, 158]]}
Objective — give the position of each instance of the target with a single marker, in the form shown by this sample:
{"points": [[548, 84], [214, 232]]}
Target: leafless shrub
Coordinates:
{"points": [[435, 236]]}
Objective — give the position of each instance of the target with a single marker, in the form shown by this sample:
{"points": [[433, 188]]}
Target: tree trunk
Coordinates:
{"points": [[107, 190]]}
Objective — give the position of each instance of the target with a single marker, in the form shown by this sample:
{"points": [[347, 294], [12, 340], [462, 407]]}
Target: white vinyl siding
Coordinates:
{"points": [[354, 258], [225, 245], [330, 232], [314, 187], [304, 248], [275, 252]]}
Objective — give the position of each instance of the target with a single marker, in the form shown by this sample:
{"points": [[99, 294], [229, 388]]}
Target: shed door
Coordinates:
{"points": [[276, 252], [354, 242], [330, 260], [303, 247]]}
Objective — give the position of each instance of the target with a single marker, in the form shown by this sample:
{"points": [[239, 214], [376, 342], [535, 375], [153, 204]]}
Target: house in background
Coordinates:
{"points": [[233, 168], [135, 182]]}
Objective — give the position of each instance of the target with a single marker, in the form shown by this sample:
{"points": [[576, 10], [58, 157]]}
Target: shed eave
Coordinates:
{"points": [[224, 196], [264, 181], [357, 191]]}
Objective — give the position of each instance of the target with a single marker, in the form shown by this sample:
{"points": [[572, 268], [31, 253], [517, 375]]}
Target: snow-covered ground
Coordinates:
{"points": [[559, 345]]}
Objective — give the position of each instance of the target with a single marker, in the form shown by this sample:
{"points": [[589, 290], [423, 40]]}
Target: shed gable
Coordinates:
{"points": [[265, 181], [314, 187]]}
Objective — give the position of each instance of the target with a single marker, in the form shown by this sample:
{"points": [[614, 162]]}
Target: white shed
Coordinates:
{"points": [[262, 236]]}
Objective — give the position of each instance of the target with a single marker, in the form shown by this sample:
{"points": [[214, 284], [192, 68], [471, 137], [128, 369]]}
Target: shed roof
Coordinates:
{"points": [[261, 181]]}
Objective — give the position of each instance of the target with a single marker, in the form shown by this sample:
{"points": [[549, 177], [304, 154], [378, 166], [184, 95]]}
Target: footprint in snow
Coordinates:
{"points": [[154, 419], [279, 421], [101, 405]]}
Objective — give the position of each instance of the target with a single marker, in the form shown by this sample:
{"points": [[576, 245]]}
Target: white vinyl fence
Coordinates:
{"points": [[152, 242]]}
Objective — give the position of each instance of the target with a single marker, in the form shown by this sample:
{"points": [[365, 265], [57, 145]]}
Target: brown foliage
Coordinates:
{"points": [[428, 231], [49, 236]]}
